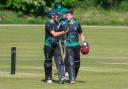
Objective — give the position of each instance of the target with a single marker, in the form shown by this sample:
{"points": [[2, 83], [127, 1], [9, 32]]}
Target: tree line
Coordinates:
{"points": [[41, 7]]}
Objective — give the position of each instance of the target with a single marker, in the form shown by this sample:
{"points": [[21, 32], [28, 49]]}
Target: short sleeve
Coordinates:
{"points": [[79, 28], [49, 27]]}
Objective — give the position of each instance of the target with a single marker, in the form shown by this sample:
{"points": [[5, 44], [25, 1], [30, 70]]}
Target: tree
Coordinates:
{"points": [[110, 3], [3, 1]]}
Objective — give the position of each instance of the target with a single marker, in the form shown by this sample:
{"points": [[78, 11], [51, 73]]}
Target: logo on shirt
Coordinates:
{"points": [[75, 28]]}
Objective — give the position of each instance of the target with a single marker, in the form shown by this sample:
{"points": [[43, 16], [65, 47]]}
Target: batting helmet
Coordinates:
{"points": [[85, 48]]}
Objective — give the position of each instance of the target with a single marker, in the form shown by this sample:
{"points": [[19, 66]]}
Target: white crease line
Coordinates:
{"points": [[96, 69], [106, 57], [81, 56], [39, 25], [89, 69], [113, 63]]}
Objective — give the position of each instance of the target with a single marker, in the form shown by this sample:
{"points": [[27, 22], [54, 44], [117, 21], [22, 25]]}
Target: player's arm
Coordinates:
{"points": [[81, 33], [58, 33], [50, 28], [55, 34], [82, 36]]}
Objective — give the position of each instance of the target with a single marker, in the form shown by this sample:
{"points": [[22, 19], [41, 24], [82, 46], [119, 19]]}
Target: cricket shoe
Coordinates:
{"points": [[49, 81], [72, 82]]}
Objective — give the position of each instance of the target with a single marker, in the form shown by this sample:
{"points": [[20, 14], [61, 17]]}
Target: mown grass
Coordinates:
{"points": [[106, 66]]}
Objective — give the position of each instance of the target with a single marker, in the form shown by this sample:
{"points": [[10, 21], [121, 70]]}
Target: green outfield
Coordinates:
{"points": [[106, 67]]}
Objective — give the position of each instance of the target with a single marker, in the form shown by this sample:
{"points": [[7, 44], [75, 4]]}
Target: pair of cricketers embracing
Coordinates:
{"points": [[62, 24]]}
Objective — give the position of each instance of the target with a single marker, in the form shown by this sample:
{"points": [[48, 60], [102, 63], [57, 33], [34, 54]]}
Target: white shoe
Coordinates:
{"points": [[72, 82], [49, 81]]}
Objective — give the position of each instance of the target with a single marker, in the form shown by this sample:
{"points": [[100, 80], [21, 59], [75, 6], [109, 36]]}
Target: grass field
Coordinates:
{"points": [[106, 67]]}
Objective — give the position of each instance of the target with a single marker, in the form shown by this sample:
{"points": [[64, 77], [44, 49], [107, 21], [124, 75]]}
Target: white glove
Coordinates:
{"points": [[85, 43]]}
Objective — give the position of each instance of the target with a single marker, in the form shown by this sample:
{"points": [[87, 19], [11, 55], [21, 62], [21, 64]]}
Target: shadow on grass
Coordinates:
{"points": [[55, 81], [79, 81], [66, 81]]}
